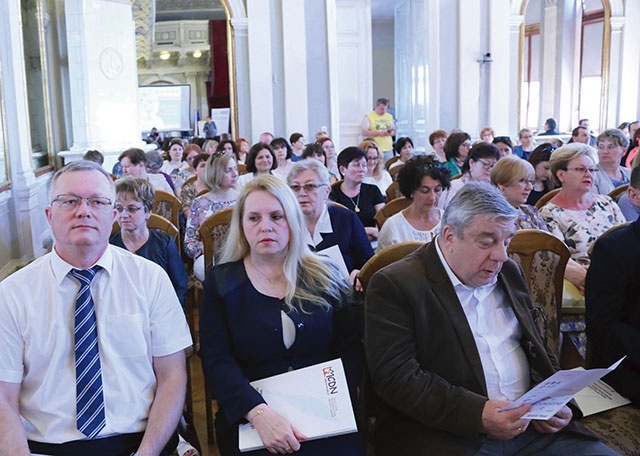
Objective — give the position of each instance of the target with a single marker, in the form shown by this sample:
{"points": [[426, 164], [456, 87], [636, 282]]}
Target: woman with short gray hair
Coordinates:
{"points": [[612, 145], [332, 230]]}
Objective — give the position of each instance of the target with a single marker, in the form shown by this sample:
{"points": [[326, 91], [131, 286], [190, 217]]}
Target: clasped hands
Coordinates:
{"points": [[505, 425], [278, 435]]}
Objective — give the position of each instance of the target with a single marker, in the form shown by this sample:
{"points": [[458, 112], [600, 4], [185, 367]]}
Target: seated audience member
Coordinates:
{"points": [[175, 153], [632, 150], [476, 168], [624, 127], [190, 153], [586, 123], [404, 149], [364, 199], [450, 340], [221, 177], [229, 147], [192, 189], [527, 144], [243, 147], [270, 308], [134, 200], [122, 391], [154, 167], [330, 152], [629, 202], [297, 144], [515, 178], [437, 139], [456, 149], [504, 144], [260, 160], [266, 137], [422, 180], [154, 137], [282, 150], [94, 156], [332, 231], [210, 146], [612, 298], [376, 174], [611, 145], [577, 216], [539, 159], [134, 163], [487, 134], [316, 152], [579, 134], [550, 126]]}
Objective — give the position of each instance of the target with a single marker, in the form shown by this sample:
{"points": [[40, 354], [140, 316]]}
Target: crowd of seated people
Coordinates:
{"points": [[303, 226]]}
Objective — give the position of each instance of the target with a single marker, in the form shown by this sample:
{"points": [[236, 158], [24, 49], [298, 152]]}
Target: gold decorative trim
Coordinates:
{"points": [[231, 59]]}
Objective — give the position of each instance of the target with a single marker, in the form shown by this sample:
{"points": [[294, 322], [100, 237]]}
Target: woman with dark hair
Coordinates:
{"points": [[330, 152], [422, 180], [228, 147], [364, 199], [404, 148], [192, 189], [632, 150], [544, 183], [476, 168], [316, 152], [260, 160], [175, 167], [282, 151], [504, 144], [456, 149], [297, 145]]}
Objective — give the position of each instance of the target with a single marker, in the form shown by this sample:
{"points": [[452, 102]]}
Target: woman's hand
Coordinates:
{"points": [[372, 232], [276, 433], [354, 280], [576, 274]]}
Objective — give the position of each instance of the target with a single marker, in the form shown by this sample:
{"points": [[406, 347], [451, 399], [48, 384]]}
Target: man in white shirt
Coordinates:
{"points": [[92, 337], [450, 341]]}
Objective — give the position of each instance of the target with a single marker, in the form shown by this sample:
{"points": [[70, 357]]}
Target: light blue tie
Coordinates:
{"points": [[90, 418]]}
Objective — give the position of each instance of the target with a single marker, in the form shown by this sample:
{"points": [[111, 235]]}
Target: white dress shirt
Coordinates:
{"points": [[497, 334], [138, 316]]}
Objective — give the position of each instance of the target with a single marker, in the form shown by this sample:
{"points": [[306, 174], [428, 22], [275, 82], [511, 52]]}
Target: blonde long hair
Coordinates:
{"points": [[310, 279]]}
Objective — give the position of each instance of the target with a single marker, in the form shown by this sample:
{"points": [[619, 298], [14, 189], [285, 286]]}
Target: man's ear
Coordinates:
{"points": [[446, 235]]}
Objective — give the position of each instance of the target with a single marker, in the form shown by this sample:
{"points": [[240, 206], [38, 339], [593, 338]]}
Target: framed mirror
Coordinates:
{"points": [[33, 31]]}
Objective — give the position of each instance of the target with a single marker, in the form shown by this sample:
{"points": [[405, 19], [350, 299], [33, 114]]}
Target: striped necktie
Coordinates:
{"points": [[90, 418]]}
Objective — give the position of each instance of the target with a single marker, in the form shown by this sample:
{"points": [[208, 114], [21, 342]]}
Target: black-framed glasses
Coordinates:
{"points": [[583, 170], [308, 188], [486, 164], [69, 202]]}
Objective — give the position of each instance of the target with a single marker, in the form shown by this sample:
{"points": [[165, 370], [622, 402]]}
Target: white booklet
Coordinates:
{"points": [[550, 395], [314, 399], [598, 397]]}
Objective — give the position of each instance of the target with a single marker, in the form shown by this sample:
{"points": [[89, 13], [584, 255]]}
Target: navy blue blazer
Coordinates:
{"points": [[612, 297], [349, 235]]}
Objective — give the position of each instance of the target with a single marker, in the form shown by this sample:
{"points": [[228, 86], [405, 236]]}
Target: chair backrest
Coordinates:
{"points": [[157, 222], [166, 205], [617, 192], [385, 257], [544, 199], [335, 203], [392, 207], [393, 172], [391, 161], [543, 259], [190, 180], [213, 233], [242, 169], [609, 231], [393, 191]]}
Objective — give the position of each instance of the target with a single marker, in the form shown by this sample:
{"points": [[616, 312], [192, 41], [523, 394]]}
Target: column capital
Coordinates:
{"points": [[550, 3], [515, 22]]}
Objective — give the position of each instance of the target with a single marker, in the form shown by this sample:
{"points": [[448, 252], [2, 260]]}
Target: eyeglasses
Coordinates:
{"points": [[607, 146], [308, 188], [486, 164], [72, 202], [130, 209], [370, 159], [527, 181], [583, 170], [466, 144]]}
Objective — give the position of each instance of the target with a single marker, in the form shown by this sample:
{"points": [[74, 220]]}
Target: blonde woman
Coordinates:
{"points": [[270, 307], [376, 174]]}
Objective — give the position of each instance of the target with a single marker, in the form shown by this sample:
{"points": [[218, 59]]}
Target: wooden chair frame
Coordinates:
{"points": [[617, 192], [391, 161], [385, 257], [222, 217], [161, 196], [393, 191], [392, 207], [544, 199]]}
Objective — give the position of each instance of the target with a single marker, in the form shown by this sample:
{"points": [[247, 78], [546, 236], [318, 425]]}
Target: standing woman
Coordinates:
{"points": [[282, 151], [612, 145], [364, 199], [456, 149], [260, 160], [270, 307], [134, 200], [544, 182], [376, 174], [221, 177], [422, 180]]}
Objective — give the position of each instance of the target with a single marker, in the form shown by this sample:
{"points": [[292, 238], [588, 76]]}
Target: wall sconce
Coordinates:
{"points": [[165, 55], [197, 54]]}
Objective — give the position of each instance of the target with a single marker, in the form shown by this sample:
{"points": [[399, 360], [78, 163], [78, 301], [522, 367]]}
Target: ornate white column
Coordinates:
{"points": [[241, 91], [548, 65], [516, 60], [294, 73], [614, 93]]}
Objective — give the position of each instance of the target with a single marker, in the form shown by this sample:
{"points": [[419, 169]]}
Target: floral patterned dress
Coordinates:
{"points": [[530, 218], [579, 229], [201, 208]]}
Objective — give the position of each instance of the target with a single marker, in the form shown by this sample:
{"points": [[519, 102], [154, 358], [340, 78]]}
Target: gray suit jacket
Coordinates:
{"points": [[424, 363]]}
